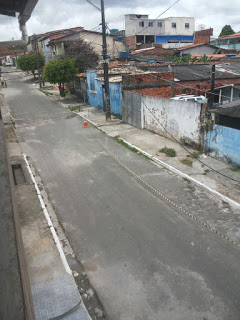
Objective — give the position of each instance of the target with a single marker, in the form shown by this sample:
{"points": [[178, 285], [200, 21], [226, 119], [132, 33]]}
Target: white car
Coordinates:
{"points": [[185, 97], [8, 63]]}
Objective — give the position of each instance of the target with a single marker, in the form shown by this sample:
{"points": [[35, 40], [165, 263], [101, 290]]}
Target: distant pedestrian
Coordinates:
{"points": [[5, 83], [2, 81]]}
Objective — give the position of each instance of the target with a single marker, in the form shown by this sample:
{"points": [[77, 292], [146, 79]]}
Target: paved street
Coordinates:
{"points": [[146, 259]]}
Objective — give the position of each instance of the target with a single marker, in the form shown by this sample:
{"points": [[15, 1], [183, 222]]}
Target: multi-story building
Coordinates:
{"points": [[172, 32]]}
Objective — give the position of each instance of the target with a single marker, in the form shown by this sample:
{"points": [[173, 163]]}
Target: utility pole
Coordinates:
{"points": [[105, 65], [211, 98], [37, 59]]}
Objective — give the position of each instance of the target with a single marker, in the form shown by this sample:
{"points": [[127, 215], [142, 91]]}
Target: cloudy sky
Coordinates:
{"points": [[50, 15]]}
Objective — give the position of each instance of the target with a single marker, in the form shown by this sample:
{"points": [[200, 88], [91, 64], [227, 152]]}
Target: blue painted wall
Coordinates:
{"points": [[224, 142], [95, 93], [165, 39], [116, 98]]}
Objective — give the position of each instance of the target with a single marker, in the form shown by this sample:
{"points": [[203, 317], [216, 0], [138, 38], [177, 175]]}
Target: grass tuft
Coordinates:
{"points": [[187, 161], [169, 151]]}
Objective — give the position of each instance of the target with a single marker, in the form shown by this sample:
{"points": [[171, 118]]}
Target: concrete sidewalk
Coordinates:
{"points": [[152, 143], [55, 294]]}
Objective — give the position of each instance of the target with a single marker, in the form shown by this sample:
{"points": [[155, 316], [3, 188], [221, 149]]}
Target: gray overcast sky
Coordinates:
{"points": [[58, 14]]}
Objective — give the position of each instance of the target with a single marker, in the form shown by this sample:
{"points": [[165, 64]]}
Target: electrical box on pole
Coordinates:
{"points": [[105, 65]]}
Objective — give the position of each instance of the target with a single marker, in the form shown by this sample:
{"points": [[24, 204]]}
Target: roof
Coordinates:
{"points": [[60, 33], [198, 71], [213, 56], [5, 51], [230, 36], [195, 45], [82, 31], [231, 109], [142, 50]]}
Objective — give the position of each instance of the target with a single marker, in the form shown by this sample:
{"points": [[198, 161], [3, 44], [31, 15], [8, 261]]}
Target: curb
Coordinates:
{"points": [[174, 170]]}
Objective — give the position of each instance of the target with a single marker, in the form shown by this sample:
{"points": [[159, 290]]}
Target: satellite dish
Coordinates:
{"points": [[201, 26]]}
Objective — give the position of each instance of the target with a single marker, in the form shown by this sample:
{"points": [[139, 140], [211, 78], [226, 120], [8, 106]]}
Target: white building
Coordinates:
{"points": [[171, 32]]}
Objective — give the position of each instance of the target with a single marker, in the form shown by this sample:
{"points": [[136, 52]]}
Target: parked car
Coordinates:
{"points": [[8, 63], [185, 97]]}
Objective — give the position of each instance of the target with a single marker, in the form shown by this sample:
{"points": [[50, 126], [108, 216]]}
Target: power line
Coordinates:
{"points": [[222, 174], [93, 5]]}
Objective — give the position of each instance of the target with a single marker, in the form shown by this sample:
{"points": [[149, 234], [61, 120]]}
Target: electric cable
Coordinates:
{"points": [[222, 174]]}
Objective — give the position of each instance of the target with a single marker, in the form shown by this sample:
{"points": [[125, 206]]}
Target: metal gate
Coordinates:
{"points": [[131, 109]]}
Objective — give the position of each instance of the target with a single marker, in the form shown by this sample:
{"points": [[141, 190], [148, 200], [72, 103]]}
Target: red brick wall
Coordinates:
{"points": [[191, 87], [163, 92], [131, 42], [203, 36]]}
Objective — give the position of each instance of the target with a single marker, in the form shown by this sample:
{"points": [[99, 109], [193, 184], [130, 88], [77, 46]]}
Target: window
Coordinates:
{"points": [[141, 24], [92, 85], [150, 24], [174, 25], [159, 24], [187, 25]]}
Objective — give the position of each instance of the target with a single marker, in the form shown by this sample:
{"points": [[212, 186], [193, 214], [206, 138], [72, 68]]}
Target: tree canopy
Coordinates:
{"points": [[60, 71], [226, 30], [28, 62], [83, 54]]}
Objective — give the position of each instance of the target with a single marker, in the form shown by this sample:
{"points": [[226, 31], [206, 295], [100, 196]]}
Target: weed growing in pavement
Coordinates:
{"points": [[74, 108], [235, 169], [196, 155], [168, 151], [187, 161], [116, 138], [206, 171], [186, 179]]}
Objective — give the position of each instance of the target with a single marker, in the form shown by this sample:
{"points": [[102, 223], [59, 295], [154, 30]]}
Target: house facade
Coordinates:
{"points": [[171, 32], [230, 42], [94, 39]]}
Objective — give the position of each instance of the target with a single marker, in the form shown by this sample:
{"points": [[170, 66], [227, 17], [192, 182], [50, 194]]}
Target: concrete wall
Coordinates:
{"points": [[180, 118], [132, 26], [224, 142]]}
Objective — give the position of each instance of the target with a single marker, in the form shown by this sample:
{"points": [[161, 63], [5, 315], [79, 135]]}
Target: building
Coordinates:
{"points": [[171, 32], [223, 139], [229, 42], [203, 36], [93, 38]]}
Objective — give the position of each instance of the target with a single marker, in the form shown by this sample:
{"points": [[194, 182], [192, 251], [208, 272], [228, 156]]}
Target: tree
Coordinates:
{"points": [[83, 54], [60, 71], [226, 30], [28, 62]]}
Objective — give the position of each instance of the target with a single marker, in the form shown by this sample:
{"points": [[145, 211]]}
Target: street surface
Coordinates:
{"points": [[146, 259]]}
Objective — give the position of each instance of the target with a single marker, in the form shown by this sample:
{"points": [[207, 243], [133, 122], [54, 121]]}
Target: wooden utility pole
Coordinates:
{"points": [[105, 65]]}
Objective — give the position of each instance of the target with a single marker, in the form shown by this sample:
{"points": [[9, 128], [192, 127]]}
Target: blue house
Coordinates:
{"points": [[96, 92], [223, 140]]}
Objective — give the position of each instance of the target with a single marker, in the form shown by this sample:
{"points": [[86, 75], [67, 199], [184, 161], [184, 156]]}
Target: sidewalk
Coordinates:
{"points": [[55, 294], [152, 143]]}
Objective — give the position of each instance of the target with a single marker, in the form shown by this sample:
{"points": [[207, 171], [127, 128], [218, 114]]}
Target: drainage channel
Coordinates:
{"points": [[18, 176]]}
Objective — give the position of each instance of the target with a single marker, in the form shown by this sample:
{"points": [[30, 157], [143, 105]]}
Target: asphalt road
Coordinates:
{"points": [[146, 259]]}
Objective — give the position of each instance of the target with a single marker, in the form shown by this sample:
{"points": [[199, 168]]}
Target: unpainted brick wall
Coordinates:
{"points": [[163, 92], [131, 42]]}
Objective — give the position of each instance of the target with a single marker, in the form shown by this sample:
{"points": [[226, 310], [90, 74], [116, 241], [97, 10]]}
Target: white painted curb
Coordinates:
{"points": [[49, 221], [176, 171]]}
